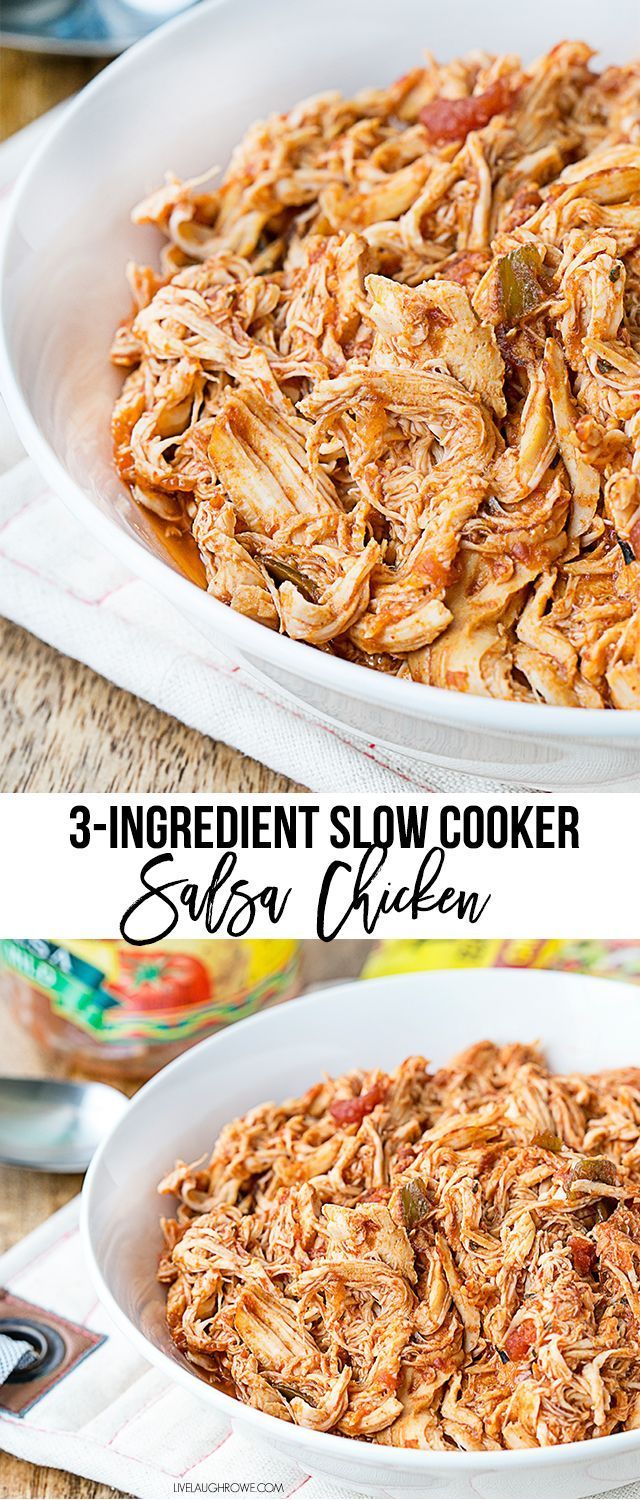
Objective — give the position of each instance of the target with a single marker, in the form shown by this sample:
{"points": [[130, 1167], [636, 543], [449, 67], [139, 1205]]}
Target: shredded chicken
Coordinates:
{"points": [[428, 1260], [389, 376]]}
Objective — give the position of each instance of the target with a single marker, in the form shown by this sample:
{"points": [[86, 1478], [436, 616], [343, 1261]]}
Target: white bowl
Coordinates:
{"points": [[584, 1024], [180, 99]]}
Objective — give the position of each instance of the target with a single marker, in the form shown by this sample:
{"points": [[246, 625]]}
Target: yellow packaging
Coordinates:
{"points": [[612, 959]]}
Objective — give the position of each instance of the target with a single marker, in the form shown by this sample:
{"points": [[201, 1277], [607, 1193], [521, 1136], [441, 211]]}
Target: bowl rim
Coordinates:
{"points": [[420, 701], [327, 1444]]}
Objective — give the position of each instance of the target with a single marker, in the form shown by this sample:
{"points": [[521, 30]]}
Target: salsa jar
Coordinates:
{"points": [[120, 1012]]}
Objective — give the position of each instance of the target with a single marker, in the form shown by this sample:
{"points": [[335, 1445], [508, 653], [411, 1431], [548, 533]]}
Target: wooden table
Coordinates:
{"points": [[26, 1198], [64, 727]]}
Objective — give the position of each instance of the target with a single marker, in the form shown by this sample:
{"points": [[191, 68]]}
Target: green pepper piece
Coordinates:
{"points": [[547, 1141], [283, 572], [626, 550], [603, 1209], [288, 1391], [415, 1203], [520, 290], [594, 1169]]}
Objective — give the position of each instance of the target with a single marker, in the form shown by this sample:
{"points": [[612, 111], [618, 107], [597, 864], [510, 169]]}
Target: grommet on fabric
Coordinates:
{"points": [[58, 1346], [47, 1343]]}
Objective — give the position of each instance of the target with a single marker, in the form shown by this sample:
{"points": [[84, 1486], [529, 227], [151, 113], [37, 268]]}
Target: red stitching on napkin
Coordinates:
{"points": [[220, 1444], [26, 1422], [42, 1255], [299, 1486], [27, 568], [328, 728], [18, 514], [118, 588], [146, 1406]]}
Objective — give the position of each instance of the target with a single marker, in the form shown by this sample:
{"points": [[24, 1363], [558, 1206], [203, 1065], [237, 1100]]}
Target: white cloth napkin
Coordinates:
{"points": [[116, 1420], [59, 583]]}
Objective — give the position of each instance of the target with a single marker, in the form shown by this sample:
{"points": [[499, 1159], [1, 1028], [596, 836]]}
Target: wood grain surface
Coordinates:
{"points": [[26, 1198], [65, 729]]}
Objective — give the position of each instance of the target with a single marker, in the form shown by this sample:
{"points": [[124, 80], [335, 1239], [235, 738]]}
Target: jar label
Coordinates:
{"points": [[171, 994]]}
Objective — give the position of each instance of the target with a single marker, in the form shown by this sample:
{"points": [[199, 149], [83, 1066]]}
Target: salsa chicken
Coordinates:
{"points": [[387, 377]]}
